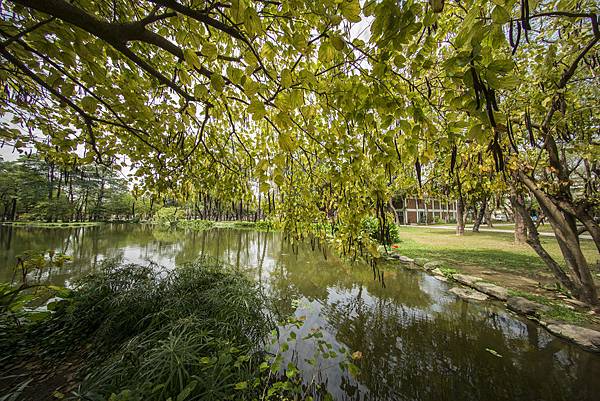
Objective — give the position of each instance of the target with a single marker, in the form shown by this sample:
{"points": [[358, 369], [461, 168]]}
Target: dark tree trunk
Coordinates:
{"points": [[520, 227], [480, 215], [460, 217], [488, 216], [561, 216], [13, 214]]}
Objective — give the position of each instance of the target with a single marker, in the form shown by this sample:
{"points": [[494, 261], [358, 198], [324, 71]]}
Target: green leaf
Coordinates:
{"points": [[493, 352], [257, 109], [351, 10], [286, 78], [185, 393], [326, 52], [353, 369], [217, 82], [338, 42], [291, 370], [235, 75], [241, 385], [252, 21], [210, 51], [500, 15], [89, 104], [501, 65], [191, 58]]}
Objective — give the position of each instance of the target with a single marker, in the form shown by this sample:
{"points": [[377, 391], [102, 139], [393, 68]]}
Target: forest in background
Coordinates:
{"points": [[35, 189]]}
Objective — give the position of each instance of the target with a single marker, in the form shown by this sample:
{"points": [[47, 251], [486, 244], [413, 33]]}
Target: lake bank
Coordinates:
{"points": [[410, 330]]}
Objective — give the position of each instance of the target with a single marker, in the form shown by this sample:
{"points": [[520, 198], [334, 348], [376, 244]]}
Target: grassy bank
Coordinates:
{"points": [[43, 224], [261, 225], [496, 258], [488, 250]]}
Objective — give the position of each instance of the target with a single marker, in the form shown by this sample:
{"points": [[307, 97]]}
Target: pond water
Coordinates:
{"points": [[418, 341]]}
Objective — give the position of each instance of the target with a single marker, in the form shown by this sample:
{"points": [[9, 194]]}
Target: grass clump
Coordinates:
{"points": [[145, 333], [555, 310], [448, 271]]}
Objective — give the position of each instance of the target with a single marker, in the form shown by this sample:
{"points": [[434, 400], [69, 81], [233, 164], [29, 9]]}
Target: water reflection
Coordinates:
{"points": [[418, 341]]}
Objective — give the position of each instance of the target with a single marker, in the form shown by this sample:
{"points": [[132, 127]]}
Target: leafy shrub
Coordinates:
{"points": [[265, 225], [169, 215], [196, 224], [193, 333], [154, 334], [370, 225]]}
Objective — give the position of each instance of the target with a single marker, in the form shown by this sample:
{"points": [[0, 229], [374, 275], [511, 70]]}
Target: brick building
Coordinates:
{"points": [[412, 210]]}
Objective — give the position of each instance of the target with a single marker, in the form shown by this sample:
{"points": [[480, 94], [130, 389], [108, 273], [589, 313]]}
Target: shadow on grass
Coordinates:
{"points": [[486, 258]]}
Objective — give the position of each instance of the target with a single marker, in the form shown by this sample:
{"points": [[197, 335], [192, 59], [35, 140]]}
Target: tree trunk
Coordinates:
{"points": [[579, 280], [520, 227], [480, 215], [13, 214], [460, 218], [394, 211], [488, 215]]}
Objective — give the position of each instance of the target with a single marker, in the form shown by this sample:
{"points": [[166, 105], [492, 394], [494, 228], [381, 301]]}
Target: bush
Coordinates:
{"points": [[154, 334], [196, 224], [133, 333], [370, 225], [169, 215], [265, 225]]}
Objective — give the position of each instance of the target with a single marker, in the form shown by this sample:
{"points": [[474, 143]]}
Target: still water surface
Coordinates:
{"points": [[418, 341]]}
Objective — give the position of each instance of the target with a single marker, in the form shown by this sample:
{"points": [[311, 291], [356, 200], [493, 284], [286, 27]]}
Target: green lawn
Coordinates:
{"points": [[485, 249]]}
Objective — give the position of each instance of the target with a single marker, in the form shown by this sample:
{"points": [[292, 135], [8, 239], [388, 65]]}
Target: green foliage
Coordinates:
{"points": [[196, 332], [372, 227], [18, 301], [196, 224], [169, 215], [152, 333], [448, 271], [265, 225], [35, 188]]}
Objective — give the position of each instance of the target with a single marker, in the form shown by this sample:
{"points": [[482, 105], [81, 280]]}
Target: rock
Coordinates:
{"points": [[466, 279], [438, 274], [421, 261], [467, 293], [582, 336], [492, 290], [433, 264], [525, 306], [405, 259]]}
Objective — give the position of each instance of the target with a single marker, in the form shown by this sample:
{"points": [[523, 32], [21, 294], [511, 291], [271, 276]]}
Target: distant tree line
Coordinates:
{"points": [[36, 188]]}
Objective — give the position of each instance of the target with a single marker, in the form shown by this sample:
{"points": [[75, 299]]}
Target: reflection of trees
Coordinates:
{"points": [[314, 277], [422, 355]]}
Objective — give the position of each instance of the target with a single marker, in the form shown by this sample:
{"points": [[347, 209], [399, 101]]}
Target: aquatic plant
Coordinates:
{"points": [[199, 331]]}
